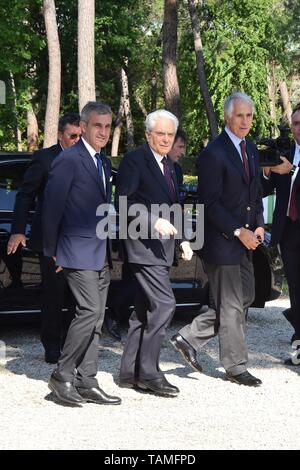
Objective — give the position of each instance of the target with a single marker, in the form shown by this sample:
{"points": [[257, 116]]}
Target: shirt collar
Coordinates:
{"points": [[157, 156], [89, 148], [235, 140]]}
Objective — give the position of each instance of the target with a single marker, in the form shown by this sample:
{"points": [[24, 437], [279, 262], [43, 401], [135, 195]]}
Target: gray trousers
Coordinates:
{"points": [[81, 347], [233, 290]]}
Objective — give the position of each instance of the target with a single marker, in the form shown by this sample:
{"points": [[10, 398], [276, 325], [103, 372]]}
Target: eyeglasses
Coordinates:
{"points": [[163, 134], [74, 136]]}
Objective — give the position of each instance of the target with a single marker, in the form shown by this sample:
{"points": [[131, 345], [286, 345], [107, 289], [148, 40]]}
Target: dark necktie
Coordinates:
{"points": [[168, 178], [98, 157], [293, 213], [245, 159]]}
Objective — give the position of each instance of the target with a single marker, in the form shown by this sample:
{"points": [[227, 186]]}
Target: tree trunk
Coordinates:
{"points": [[213, 125], [118, 128], [286, 104], [86, 52], [32, 130], [140, 103], [171, 87], [272, 98], [154, 89], [54, 79], [127, 108], [18, 135]]}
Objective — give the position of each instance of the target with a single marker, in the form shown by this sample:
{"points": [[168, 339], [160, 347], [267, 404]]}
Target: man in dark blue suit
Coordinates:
{"points": [[79, 182], [229, 188], [285, 178], [146, 178], [55, 320]]}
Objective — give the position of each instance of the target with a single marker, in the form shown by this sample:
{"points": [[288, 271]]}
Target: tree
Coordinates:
{"points": [[171, 86], [86, 52], [127, 107], [53, 100], [213, 125]]}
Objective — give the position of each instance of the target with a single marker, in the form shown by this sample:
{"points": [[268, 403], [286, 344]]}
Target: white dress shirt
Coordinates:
{"points": [[92, 153], [236, 141]]}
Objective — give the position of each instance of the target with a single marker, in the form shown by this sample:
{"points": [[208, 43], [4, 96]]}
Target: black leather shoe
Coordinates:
{"points": [[65, 391], [188, 353], [288, 314], [52, 356], [245, 378], [158, 386], [128, 383], [112, 327], [96, 395]]}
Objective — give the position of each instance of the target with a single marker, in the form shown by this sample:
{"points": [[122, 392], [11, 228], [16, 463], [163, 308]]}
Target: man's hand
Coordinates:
{"points": [[260, 234], [249, 239], [284, 168], [187, 252], [14, 241], [163, 227], [59, 268]]}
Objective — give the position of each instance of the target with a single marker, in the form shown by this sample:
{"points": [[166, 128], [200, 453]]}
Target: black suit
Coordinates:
{"points": [[142, 181], [30, 196], [287, 234], [229, 203]]}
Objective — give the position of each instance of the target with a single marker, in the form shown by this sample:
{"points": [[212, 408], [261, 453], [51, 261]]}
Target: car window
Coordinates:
{"points": [[11, 177]]}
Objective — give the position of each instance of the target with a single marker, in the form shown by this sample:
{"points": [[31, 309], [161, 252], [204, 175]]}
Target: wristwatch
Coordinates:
{"points": [[237, 232], [293, 169]]}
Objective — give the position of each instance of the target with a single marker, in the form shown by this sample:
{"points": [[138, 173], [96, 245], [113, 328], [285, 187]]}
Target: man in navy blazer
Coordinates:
{"points": [[229, 188], [79, 182], [146, 178], [55, 321], [285, 178]]}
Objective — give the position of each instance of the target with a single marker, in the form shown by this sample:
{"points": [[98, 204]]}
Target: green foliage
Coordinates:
{"points": [[241, 38]]}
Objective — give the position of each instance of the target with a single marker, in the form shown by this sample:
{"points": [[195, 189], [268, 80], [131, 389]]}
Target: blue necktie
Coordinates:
{"points": [[99, 158]]}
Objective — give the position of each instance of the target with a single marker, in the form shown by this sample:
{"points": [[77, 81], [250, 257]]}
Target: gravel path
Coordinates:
{"points": [[209, 413]]}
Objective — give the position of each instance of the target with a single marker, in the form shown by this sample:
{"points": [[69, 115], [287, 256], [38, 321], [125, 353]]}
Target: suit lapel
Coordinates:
{"points": [[90, 166], [156, 171], [234, 155]]}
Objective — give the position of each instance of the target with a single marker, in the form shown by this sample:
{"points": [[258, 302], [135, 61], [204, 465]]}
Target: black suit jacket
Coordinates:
{"points": [[229, 203], [142, 181], [282, 184], [31, 193]]}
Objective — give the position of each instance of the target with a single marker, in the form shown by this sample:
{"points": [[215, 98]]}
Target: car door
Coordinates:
{"points": [[20, 277]]}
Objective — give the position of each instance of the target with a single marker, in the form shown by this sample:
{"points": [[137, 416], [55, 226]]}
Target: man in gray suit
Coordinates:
{"points": [[229, 188]]}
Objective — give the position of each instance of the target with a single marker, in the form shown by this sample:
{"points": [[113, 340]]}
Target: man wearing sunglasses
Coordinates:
{"points": [[55, 321]]}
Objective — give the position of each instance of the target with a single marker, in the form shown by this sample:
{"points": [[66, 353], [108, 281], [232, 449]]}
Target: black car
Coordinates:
{"points": [[20, 278]]}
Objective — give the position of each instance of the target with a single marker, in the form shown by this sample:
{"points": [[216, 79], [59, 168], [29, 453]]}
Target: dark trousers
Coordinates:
{"points": [[233, 290], [55, 293], [290, 252], [80, 351], [154, 307]]}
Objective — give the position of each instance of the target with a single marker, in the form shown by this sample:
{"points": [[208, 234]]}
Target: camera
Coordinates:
{"points": [[270, 150]]}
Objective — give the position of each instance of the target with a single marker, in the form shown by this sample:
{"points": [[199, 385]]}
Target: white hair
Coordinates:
{"points": [[160, 113], [229, 102]]}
